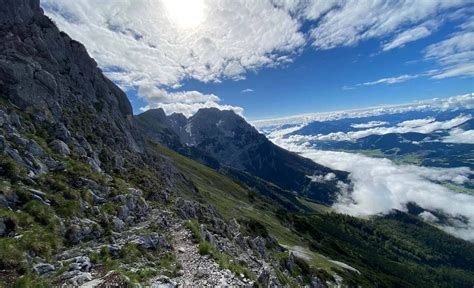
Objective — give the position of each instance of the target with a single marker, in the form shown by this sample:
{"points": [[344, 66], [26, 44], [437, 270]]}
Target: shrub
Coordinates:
{"points": [[255, 228], [11, 254], [40, 212], [193, 225], [130, 253], [251, 194], [11, 169], [44, 241], [204, 248]]}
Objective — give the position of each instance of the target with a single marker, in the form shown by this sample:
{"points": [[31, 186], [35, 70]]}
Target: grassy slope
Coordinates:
{"points": [[389, 252], [233, 201]]}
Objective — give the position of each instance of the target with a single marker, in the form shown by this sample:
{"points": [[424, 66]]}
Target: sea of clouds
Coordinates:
{"points": [[380, 185]]}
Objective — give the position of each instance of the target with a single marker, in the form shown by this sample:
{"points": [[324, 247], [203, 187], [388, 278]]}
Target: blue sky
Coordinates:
{"points": [[295, 56], [326, 81]]}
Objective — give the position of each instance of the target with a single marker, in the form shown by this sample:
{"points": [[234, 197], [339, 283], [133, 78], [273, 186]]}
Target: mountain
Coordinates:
{"points": [[88, 198], [228, 138], [85, 198]]}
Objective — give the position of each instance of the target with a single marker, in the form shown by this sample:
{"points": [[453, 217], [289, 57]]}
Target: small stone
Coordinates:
{"points": [[181, 250], [118, 224], [200, 274], [15, 120], [35, 149]]}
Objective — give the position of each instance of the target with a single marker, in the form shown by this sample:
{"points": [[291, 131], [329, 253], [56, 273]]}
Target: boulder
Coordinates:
{"points": [[43, 268], [35, 149], [258, 244], [80, 278], [60, 147], [118, 224], [152, 241], [62, 133], [80, 263], [81, 228], [315, 282], [133, 207], [266, 278]]}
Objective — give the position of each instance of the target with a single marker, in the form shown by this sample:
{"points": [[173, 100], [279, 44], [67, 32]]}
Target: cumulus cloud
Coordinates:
{"points": [[346, 23], [139, 44], [144, 43], [426, 126], [465, 101], [380, 186], [185, 102], [248, 90]]}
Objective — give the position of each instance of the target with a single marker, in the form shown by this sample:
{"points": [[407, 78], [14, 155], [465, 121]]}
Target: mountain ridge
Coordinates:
{"points": [[233, 142]]}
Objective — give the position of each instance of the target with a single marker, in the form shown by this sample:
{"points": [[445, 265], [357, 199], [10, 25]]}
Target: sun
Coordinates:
{"points": [[185, 14]]}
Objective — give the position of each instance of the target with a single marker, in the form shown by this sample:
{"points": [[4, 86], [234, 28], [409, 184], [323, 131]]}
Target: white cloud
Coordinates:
{"points": [[458, 135], [425, 126], [465, 101], [162, 43], [407, 36], [370, 124], [185, 102], [323, 178], [455, 54], [147, 43], [392, 80], [456, 70], [401, 78], [346, 23], [428, 217], [379, 186], [248, 90]]}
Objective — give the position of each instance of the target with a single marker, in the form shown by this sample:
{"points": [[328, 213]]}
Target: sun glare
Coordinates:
{"points": [[185, 13]]}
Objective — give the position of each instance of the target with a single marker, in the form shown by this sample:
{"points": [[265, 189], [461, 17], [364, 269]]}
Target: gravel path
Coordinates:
{"points": [[197, 270]]}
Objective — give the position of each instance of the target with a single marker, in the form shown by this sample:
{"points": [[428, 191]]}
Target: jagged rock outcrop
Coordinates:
{"points": [[50, 76]]}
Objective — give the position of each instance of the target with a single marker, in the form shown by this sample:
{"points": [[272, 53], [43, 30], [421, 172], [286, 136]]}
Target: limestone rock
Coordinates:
{"points": [[60, 147]]}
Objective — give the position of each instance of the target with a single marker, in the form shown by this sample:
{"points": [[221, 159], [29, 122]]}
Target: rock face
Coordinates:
{"points": [[47, 74], [233, 142]]}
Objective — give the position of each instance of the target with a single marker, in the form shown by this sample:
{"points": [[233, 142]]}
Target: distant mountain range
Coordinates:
{"points": [[373, 135]]}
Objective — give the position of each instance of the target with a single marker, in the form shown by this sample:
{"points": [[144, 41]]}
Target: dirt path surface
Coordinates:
{"points": [[200, 270]]}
